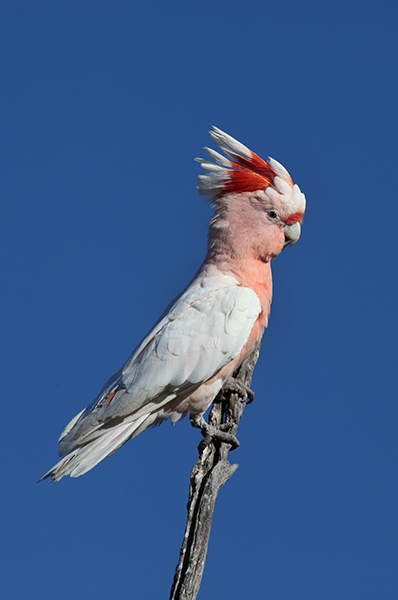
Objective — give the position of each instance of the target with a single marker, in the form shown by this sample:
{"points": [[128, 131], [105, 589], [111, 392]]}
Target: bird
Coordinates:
{"points": [[213, 325]]}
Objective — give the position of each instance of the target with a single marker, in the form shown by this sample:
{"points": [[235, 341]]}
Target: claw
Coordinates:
{"points": [[235, 385], [210, 432]]}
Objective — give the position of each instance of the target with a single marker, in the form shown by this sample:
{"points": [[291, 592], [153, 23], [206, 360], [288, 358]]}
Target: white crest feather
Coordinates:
{"points": [[226, 174]]}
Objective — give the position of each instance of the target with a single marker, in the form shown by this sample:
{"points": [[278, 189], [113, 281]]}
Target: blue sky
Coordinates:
{"points": [[104, 105]]}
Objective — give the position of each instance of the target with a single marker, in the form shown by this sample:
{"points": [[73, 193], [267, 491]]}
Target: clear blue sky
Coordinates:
{"points": [[104, 105]]}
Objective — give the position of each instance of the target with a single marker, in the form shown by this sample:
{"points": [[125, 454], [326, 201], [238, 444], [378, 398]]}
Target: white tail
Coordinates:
{"points": [[83, 458]]}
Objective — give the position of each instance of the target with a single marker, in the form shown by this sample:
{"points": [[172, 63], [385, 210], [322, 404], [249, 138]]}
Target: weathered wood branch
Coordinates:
{"points": [[209, 474]]}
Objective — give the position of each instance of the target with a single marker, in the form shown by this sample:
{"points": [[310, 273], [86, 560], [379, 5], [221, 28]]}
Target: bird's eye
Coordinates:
{"points": [[273, 214]]}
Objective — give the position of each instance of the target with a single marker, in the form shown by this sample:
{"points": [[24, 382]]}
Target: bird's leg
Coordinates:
{"points": [[235, 385], [210, 432]]}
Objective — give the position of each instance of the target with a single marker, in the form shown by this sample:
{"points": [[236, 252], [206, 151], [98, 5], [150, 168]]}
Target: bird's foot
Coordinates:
{"points": [[240, 388], [210, 432]]}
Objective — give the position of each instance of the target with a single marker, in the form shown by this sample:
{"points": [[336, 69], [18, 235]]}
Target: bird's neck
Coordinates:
{"points": [[236, 247], [249, 272]]}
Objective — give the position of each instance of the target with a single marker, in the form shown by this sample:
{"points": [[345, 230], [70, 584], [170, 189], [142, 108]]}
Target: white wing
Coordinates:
{"points": [[204, 330]]}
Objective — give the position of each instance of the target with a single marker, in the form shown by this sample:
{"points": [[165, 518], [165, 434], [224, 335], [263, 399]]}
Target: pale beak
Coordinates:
{"points": [[292, 234]]}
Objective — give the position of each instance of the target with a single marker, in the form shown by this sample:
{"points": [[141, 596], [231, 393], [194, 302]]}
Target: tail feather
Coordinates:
{"points": [[83, 458]]}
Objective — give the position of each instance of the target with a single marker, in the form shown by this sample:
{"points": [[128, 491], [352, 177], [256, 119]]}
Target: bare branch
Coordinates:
{"points": [[209, 474]]}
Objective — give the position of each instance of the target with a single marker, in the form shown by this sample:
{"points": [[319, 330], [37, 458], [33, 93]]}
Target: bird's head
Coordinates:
{"points": [[252, 197]]}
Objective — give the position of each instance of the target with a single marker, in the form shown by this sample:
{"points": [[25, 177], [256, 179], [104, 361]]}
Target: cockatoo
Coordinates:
{"points": [[209, 329]]}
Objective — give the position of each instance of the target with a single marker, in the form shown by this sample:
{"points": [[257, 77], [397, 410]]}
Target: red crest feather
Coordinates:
{"points": [[241, 171]]}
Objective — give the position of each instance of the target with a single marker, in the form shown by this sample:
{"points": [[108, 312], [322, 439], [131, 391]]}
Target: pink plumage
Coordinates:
{"points": [[213, 325]]}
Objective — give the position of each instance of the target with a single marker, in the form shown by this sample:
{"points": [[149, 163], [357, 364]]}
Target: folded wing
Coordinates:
{"points": [[204, 330]]}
